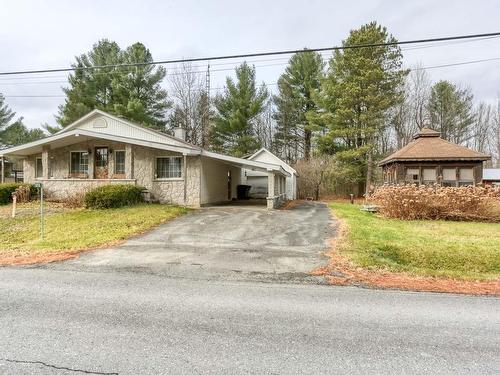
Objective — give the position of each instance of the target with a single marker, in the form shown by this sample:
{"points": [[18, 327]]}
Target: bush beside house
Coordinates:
{"points": [[113, 196], [6, 191]]}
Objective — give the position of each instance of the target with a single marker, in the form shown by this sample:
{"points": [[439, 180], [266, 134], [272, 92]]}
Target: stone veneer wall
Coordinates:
{"points": [[63, 188], [172, 190], [143, 173]]}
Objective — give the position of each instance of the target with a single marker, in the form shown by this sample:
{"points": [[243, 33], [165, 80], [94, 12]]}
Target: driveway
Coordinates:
{"points": [[226, 242]]}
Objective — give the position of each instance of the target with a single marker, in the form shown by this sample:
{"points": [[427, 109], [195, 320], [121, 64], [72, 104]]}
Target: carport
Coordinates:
{"points": [[221, 174]]}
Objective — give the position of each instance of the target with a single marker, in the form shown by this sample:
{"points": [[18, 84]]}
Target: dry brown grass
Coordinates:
{"points": [[410, 202]]}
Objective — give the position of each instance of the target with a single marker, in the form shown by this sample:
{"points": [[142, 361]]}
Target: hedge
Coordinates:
{"points": [[113, 196], [6, 191]]}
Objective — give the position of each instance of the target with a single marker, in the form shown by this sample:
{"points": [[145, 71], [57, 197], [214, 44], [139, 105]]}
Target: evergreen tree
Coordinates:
{"points": [[6, 114], [362, 84], [451, 111], [17, 133], [296, 86], [133, 92], [237, 110]]}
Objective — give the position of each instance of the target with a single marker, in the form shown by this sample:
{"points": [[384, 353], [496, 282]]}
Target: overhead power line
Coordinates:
{"points": [[247, 55]]}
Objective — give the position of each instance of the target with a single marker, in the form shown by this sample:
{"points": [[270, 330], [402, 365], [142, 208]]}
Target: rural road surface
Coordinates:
{"points": [[82, 322]]}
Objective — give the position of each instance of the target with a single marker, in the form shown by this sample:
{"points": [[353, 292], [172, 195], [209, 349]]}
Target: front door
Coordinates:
{"points": [[101, 162]]}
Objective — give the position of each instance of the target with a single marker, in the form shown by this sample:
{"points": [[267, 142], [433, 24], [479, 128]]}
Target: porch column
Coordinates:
{"points": [[270, 190], [184, 174], [128, 162], [2, 177], [45, 162]]}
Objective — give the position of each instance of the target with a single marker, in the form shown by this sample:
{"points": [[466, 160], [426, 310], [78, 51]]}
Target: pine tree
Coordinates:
{"points": [[362, 84], [296, 86], [451, 111], [6, 114], [17, 133], [133, 92], [237, 110]]}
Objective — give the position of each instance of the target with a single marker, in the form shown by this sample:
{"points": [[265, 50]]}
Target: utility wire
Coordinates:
{"points": [[283, 52], [178, 70], [275, 83]]}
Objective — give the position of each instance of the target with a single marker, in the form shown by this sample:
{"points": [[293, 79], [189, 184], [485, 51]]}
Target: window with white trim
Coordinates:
{"points": [[79, 163], [169, 167], [39, 168], [120, 162]]}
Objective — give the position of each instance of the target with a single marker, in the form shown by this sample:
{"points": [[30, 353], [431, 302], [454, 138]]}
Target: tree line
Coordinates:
{"points": [[339, 115]]}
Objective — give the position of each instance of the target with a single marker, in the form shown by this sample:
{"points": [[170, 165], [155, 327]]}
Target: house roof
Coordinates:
{"points": [[264, 150], [120, 130], [428, 145], [491, 174]]}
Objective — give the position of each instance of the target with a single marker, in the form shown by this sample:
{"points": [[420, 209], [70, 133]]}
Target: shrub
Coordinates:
{"points": [[76, 200], [113, 196], [410, 202], [6, 191]]}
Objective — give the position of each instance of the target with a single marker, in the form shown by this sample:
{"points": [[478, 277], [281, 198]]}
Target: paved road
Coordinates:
{"points": [[225, 243], [131, 323]]}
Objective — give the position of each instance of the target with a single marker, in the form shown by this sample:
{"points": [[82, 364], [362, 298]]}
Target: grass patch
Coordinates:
{"points": [[79, 229], [462, 250]]}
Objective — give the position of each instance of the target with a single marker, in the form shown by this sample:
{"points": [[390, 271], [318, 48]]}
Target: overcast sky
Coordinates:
{"points": [[49, 34]]}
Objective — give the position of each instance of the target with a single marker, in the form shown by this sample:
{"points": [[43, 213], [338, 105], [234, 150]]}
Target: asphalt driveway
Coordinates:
{"points": [[226, 242]]}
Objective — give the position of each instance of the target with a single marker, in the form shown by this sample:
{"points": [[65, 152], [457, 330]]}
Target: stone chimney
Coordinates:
{"points": [[180, 133]]}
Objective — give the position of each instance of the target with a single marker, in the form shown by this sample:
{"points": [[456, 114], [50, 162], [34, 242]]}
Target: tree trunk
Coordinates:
{"points": [[369, 172], [307, 144]]}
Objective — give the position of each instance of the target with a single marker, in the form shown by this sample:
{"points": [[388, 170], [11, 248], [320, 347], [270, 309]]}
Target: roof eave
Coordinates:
{"points": [[475, 158]]}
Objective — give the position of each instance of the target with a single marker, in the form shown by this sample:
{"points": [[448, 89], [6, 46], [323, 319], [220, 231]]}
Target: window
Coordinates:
{"points": [[39, 168], [169, 167], [466, 176], [449, 177], [79, 163], [412, 175], [429, 175], [119, 162]]}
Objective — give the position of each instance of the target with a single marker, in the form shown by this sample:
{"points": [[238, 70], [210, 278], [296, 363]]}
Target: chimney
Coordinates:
{"points": [[180, 133]]}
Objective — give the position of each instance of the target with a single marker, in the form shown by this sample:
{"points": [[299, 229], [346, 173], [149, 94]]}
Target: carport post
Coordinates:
{"points": [[184, 173], [270, 189], [2, 179]]}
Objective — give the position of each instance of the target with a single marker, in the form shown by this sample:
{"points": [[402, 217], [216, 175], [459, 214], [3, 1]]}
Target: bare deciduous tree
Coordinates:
{"points": [[187, 88], [411, 114]]}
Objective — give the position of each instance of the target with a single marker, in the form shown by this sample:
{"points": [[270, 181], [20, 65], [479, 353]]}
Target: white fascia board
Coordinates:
{"points": [[40, 142], [87, 133], [245, 163]]}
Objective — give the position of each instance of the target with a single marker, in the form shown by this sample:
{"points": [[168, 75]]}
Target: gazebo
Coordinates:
{"points": [[429, 159]]}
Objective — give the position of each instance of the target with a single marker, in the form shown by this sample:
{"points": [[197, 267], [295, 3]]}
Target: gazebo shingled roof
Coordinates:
{"points": [[427, 145]]}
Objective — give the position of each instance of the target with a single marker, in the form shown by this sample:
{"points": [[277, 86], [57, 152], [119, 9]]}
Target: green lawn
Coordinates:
{"points": [[461, 250], [79, 229]]}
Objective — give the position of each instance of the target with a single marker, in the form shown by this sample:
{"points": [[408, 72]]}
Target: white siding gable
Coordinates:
{"points": [[266, 156], [100, 122]]}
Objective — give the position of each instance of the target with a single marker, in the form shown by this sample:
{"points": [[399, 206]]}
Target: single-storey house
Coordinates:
{"points": [[429, 159], [258, 180], [100, 148], [491, 177]]}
